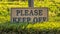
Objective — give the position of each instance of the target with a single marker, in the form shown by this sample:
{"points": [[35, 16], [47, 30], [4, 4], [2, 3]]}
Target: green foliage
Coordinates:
{"points": [[54, 16], [53, 5], [30, 28]]}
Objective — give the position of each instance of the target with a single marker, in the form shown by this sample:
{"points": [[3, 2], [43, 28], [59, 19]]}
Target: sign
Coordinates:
{"points": [[29, 14]]}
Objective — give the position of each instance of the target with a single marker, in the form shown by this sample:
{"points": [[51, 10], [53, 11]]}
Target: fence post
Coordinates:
{"points": [[31, 3]]}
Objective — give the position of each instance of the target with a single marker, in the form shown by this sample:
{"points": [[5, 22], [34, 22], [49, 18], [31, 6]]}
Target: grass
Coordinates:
{"points": [[40, 26]]}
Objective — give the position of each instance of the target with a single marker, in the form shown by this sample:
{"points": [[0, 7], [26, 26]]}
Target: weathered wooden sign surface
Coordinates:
{"points": [[29, 14]]}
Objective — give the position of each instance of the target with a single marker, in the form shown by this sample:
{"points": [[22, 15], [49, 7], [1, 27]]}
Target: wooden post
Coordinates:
{"points": [[31, 3]]}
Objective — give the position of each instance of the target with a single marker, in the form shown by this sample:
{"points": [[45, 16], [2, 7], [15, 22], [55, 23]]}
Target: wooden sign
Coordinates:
{"points": [[29, 14]]}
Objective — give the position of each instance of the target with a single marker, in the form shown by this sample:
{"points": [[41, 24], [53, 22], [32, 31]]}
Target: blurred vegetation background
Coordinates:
{"points": [[50, 27], [6, 5]]}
